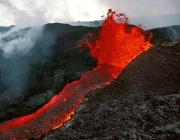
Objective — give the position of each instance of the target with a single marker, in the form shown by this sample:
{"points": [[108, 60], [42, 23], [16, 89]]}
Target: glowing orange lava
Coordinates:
{"points": [[59, 108], [117, 44]]}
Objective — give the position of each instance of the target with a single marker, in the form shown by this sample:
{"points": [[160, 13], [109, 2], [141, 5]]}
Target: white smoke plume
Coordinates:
{"points": [[18, 42]]}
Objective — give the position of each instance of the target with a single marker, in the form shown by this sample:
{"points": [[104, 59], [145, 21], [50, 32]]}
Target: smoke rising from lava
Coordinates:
{"points": [[174, 34]]}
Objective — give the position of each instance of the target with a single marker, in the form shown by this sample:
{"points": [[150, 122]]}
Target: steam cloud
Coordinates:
{"points": [[18, 42], [174, 34], [14, 72]]}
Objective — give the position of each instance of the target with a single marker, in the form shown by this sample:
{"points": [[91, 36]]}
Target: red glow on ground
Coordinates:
{"points": [[116, 46], [166, 44]]}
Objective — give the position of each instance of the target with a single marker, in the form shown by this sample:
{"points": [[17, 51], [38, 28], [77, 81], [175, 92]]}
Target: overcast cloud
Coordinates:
{"points": [[33, 13]]}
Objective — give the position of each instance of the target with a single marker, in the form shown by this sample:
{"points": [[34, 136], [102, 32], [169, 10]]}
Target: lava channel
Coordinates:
{"points": [[117, 44]]}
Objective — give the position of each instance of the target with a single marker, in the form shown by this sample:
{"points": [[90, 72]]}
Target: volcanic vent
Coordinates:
{"points": [[142, 103], [117, 44]]}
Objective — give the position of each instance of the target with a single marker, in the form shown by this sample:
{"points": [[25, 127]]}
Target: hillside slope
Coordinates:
{"points": [[142, 103]]}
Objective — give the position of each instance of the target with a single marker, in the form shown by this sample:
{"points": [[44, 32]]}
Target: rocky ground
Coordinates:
{"points": [[127, 117], [52, 62], [143, 103]]}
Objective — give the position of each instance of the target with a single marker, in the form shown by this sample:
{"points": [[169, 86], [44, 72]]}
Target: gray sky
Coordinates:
{"points": [[37, 12]]}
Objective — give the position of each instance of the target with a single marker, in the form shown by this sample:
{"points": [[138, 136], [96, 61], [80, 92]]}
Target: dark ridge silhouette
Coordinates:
{"points": [[4, 29]]}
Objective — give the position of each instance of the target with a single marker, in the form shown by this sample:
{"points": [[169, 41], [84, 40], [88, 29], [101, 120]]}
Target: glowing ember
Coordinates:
{"points": [[117, 44]]}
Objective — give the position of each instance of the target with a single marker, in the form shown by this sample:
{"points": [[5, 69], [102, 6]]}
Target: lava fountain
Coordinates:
{"points": [[117, 44]]}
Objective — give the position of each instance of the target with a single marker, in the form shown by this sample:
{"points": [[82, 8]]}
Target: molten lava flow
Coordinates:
{"points": [[117, 44], [59, 108]]}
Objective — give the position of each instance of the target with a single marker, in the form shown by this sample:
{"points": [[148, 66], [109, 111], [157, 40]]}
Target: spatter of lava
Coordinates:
{"points": [[118, 43]]}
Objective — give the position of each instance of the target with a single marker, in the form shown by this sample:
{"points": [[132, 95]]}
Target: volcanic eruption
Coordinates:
{"points": [[117, 44]]}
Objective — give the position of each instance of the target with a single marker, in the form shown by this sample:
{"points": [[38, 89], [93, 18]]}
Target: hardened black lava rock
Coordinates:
{"points": [[143, 103], [29, 81]]}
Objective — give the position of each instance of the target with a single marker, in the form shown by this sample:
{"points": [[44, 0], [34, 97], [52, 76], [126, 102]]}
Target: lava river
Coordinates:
{"points": [[117, 44]]}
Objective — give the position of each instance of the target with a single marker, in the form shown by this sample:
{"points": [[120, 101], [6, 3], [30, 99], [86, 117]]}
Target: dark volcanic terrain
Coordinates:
{"points": [[143, 103], [51, 63]]}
